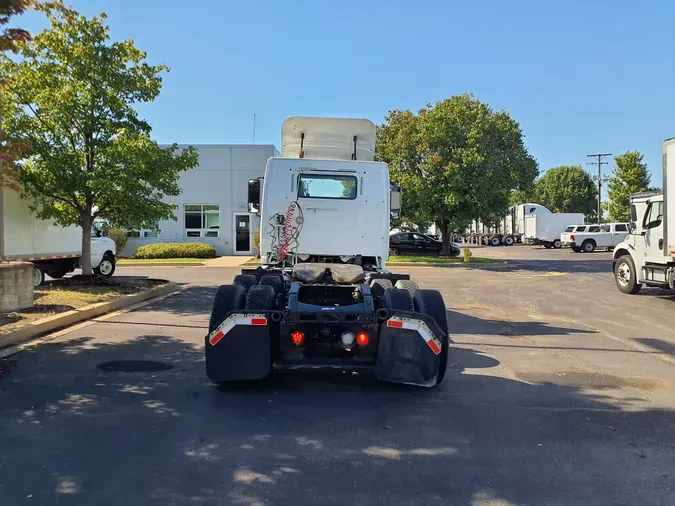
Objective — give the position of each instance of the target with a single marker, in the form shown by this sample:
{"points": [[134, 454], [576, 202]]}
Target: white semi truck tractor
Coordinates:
{"points": [[647, 255], [322, 296]]}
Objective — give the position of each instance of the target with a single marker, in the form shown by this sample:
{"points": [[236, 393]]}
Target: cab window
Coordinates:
{"points": [[594, 228], [581, 229], [569, 229], [653, 216], [621, 228]]}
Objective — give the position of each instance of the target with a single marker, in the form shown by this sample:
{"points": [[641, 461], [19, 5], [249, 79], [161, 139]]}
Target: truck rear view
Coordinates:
{"points": [[322, 295]]}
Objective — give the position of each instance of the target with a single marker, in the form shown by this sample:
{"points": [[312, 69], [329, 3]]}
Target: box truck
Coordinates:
{"points": [[508, 231], [53, 250], [545, 228], [647, 255]]}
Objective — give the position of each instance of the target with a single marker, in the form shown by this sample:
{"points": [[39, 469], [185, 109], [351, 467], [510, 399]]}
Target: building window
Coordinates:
{"points": [[145, 232], [202, 220]]}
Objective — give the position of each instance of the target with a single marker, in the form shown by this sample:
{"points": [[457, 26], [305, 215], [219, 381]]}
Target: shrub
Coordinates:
{"points": [[176, 250], [119, 236]]}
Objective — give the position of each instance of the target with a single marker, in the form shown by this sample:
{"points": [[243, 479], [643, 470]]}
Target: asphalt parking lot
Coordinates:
{"points": [[559, 392]]}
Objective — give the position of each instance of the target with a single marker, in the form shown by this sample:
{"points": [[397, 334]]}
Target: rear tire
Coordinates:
{"points": [[430, 302], [625, 276], [557, 244], [261, 298], [228, 298], [245, 280], [494, 241], [38, 276], [508, 240], [588, 246], [407, 284], [395, 298], [274, 281], [576, 249], [378, 287]]}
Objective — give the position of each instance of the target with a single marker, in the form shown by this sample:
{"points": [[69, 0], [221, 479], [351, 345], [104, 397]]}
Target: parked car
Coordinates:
{"points": [[606, 236], [413, 243]]}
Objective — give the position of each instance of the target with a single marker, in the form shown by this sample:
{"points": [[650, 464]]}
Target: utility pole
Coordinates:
{"points": [[600, 163]]}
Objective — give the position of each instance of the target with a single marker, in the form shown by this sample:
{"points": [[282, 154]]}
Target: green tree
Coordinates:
{"points": [[72, 94], [567, 189], [456, 160], [630, 176]]}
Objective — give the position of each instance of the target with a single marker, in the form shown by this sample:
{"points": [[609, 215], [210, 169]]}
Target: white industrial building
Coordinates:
{"points": [[212, 206]]}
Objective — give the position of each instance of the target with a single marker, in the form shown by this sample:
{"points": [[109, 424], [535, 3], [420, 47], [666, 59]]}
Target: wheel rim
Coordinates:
{"points": [[37, 277], [588, 248], [623, 274], [508, 241], [393, 252], [105, 267], [557, 244]]}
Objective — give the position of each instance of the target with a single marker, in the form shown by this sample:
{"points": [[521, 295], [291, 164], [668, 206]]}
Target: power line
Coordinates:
{"points": [[599, 178]]}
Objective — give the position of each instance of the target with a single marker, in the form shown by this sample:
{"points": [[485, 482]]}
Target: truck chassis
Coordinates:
{"points": [[271, 318]]}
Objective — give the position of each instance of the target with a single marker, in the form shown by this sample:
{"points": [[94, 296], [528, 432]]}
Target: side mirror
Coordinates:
{"points": [[254, 195], [395, 202], [631, 227]]}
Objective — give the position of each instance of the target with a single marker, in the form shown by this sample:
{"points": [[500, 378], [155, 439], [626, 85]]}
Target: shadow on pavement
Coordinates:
{"points": [[585, 264], [657, 344], [74, 433], [460, 323]]}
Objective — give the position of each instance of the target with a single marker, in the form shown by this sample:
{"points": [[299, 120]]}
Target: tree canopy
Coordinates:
{"points": [[456, 161], [630, 176], [567, 189], [72, 95]]}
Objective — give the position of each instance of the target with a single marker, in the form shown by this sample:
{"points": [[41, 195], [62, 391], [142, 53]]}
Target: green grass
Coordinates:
{"points": [[437, 260], [132, 261]]}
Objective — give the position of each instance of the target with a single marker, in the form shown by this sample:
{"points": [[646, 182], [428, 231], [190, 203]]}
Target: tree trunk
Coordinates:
{"points": [[85, 262], [445, 250]]}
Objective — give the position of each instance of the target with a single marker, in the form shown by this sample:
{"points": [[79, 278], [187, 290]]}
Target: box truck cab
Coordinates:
{"points": [[647, 255]]}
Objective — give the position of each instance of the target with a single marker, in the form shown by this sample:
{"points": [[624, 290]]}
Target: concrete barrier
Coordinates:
{"points": [[16, 286]]}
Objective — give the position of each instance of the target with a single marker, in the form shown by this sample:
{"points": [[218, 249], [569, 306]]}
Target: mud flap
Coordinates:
{"points": [[239, 349], [409, 349]]}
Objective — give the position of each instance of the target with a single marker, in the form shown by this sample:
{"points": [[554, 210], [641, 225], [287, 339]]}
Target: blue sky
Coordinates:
{"points": [[579, 76]]}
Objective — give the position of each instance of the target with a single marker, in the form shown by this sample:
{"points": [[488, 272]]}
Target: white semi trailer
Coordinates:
{"points": [[322, 296], [510, 229], [52, 249], [647, 255]]}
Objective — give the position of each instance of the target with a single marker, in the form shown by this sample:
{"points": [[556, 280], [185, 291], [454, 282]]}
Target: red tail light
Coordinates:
{"points": [[571, 238], [297, 337], [362, 339]]}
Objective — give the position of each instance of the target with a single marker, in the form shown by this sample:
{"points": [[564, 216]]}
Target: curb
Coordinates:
{"points": [[497, 266], [34, 329], [162, 264]]}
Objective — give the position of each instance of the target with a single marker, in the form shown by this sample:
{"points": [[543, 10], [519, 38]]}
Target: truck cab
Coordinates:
{"points": [[647, 255], [322, 296]]}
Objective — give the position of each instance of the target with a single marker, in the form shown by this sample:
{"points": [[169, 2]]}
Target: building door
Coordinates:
{"points": [[242, 234]]}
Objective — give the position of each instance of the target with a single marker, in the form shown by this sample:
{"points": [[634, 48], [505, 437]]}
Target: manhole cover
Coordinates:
{"points": [[134, 366]]}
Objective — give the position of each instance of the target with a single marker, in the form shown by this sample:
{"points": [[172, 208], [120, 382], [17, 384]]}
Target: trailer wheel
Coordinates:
{"points": [[378, 286], [494, 241], [508, 240], [228, 298], [430, 302], [557, 244], [625, 275], [246, 281], [38, 276], [395, 298], [274, 281], [261, 298], [588, 246], [407, 284], [107, 266]]}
